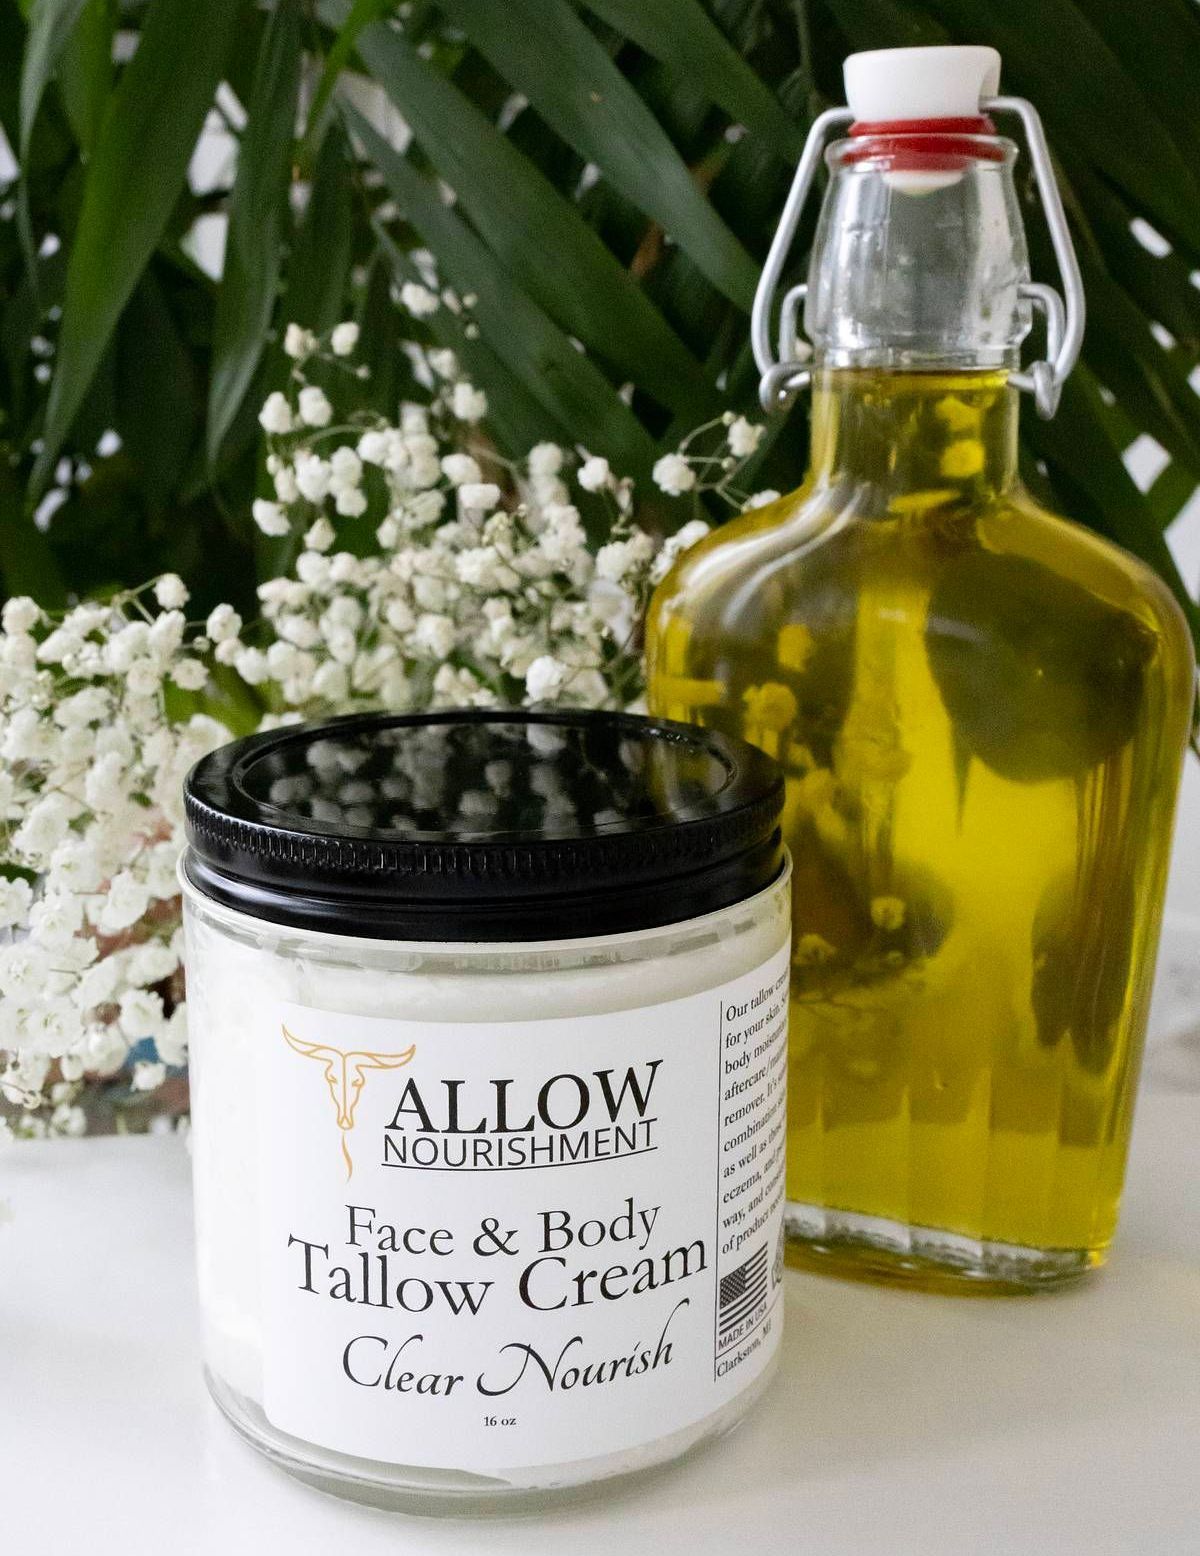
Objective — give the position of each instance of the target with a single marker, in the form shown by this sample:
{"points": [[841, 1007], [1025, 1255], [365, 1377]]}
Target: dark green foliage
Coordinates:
{"points": [[618, 166]]}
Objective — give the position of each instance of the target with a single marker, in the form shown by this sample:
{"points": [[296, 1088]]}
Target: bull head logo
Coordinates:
{"points": [[345, 1075]]}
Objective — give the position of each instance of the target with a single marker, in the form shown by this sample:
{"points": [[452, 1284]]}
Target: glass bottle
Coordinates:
{"points": [[981, 710]]}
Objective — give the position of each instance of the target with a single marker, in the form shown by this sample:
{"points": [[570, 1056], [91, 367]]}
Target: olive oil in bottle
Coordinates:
{"points": [[981, 711]]}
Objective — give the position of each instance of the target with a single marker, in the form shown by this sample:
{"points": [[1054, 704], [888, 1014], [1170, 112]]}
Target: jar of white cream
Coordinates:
{"points": [[488, 1022]]}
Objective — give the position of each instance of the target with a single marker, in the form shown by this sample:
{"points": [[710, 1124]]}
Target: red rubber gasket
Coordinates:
{"points": [[937, 145]]}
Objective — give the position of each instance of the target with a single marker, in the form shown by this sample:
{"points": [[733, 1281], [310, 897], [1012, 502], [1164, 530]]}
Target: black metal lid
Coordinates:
{"points": [[494, 825]]}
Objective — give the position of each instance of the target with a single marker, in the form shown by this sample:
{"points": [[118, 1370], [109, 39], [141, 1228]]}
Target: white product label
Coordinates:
{"points": [[494, 1245]]}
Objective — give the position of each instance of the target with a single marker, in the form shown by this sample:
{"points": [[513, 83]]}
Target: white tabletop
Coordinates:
{"points": [[900, 1423]]}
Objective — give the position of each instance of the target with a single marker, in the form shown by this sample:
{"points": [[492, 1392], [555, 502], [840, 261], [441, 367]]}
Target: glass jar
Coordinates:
{"points": [[488, 1035]]}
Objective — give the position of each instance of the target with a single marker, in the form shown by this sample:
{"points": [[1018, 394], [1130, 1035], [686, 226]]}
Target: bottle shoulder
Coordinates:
{"points": [[834, 541], [729, 558], [1063, 545]]}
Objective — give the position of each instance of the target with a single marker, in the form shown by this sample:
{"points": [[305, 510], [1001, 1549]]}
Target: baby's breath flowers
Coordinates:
{"points": [[431, 572], [92, 759], [710, 459], [477, 585]]}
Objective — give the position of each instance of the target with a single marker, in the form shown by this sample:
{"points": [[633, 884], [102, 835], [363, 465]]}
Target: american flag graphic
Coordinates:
{"points": [[742, 1290]]}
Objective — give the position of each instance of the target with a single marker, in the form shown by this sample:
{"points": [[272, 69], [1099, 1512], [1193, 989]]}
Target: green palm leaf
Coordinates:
{"points": [[680, 33], [540, 239], [133, 180], [564, 382], [257, 216], [544, 51]]}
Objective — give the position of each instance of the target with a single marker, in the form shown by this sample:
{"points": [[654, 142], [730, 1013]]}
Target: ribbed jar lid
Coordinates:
{"points": [[493, 825]]}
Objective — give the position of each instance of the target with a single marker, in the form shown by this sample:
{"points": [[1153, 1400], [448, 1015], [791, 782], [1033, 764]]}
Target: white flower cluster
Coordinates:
{"points": [[432, 572], [689, 469], [91, 774]]}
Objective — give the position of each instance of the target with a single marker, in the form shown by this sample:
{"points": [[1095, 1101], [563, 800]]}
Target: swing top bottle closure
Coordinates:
{"points": [[980, 708]]}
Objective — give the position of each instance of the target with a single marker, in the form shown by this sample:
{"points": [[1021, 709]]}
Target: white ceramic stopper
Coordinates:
{"points": [[930, 83]]}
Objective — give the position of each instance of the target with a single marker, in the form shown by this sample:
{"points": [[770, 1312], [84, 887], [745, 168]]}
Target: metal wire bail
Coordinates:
{"points": [[783, 374]]}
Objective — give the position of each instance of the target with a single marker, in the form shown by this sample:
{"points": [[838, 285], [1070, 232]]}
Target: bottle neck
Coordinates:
{"points": [[916, 309], [920, 261], [951, 436]]}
